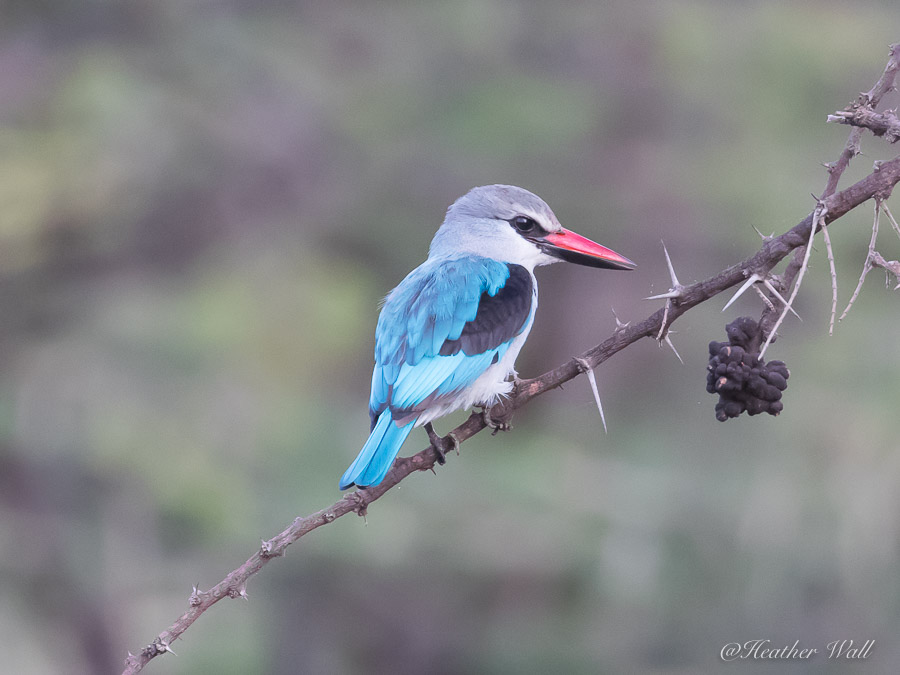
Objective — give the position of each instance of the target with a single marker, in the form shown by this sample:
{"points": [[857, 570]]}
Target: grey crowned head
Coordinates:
{"points": [[513, 225]]}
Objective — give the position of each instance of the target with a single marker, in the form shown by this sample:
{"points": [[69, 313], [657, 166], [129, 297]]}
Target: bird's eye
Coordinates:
{"points": [[524, 224]]}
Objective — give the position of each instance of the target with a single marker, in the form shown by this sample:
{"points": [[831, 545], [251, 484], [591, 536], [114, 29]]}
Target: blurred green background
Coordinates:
{"points": [[201, 204]]}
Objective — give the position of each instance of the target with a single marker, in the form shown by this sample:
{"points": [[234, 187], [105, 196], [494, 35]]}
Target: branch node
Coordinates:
{"points": [[675, 293], [619, 325], [677, 290], [584, 366], [195, 600], [155, 648], [238, 592], [764, 237]]}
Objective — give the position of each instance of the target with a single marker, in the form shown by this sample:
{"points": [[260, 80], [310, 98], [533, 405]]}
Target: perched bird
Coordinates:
{"points": [[449, 334]]}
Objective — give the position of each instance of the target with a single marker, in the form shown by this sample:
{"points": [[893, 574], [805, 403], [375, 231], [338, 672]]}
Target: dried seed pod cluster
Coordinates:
{"points": [[743, 381]]}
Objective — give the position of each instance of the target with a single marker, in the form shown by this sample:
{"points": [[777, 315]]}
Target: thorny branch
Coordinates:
{"points": [[831, 206], [867, 101], [885, 124]]}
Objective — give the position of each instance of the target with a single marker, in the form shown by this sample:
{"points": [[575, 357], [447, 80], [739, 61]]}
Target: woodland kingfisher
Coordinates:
{"points": [[448, 336]]}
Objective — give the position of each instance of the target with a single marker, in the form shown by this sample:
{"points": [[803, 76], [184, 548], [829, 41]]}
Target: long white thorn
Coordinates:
{"points": [[619, 324], [593, 380], [768, 284], [747, 284], [764, 237], [677, 289], [585, 368], [675, 282], [669, 342], [674, 293]]}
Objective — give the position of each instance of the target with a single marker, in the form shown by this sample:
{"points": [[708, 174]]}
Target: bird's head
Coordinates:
{"points": [[513, 225]]}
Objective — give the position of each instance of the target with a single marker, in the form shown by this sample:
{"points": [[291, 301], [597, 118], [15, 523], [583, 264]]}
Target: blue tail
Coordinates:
{"points": [[377, 455]]}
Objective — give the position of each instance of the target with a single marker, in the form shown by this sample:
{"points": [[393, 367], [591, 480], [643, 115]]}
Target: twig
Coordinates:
{"points": [[833, 271], [867, 266], [892, 266], [889, 266], [884, 207], [818, 220], [881, 124], [773, 250], [871, 98]]}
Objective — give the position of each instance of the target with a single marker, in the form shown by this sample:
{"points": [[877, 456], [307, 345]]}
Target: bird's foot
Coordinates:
{"points": [[441, 445], [500, 423]]}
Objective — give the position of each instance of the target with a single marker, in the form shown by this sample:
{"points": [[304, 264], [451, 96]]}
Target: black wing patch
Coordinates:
{"points": [[500, 317]]}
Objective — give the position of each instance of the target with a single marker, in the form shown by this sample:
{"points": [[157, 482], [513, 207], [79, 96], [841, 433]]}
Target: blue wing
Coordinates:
{"points": [[441, 328]]}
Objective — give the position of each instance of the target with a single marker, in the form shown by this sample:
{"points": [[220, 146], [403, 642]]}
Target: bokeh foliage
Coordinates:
{"points": [[202, 204]]}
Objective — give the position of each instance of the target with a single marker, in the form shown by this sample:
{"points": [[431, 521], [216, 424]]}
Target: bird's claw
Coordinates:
{"points": [[442, 445], [448, 442], [495, 425]]}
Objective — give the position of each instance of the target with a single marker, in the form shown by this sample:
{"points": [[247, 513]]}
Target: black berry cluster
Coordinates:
{"points": [[743, 381]]}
